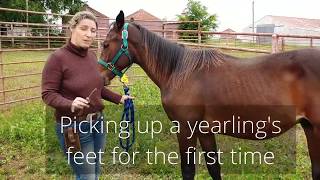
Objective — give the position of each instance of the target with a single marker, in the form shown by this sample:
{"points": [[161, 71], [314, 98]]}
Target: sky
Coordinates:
{"points": [[234, 14]]}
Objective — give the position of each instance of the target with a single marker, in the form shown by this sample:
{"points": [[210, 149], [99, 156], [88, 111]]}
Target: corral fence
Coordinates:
{"points": [[20, 71]]}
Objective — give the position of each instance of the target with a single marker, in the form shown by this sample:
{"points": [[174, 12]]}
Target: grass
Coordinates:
{"points": [[239, 43], [29, 149]]}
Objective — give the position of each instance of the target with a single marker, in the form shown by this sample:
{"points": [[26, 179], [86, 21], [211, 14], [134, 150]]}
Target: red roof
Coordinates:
{"points": [[95, 12], [142, 15], [228, 30]]}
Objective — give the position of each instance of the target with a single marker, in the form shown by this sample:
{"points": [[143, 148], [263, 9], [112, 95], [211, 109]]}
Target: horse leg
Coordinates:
{"points": [[187, 152], [312, 132], [208, 144], [313, 139]]}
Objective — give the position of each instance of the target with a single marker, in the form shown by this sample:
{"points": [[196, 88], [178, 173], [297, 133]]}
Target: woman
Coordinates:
{"points": [[72, 85]]}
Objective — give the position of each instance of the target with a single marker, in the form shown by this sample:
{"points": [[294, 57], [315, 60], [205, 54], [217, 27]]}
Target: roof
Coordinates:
{"points": [[95, 12], [142, 15], [228, 30], [294, 21]]}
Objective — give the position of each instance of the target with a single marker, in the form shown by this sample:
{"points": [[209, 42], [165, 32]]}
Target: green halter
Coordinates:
{"points": [[123, 50]]}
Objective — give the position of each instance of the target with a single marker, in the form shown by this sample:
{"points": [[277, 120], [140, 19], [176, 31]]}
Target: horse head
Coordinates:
{"points": [[119, 51]]}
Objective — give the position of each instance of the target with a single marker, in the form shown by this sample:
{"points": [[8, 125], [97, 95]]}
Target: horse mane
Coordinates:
{"points": [[178, 62]]}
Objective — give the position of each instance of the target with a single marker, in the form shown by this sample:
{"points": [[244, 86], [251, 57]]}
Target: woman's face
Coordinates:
{"points": [[84, 33]]}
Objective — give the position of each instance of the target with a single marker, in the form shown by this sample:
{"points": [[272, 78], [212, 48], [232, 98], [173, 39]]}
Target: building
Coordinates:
{"points": [[103, 21], [287, 25], [145, 19], [228, 36], [171, 28], [15, 30], [155, 24]]}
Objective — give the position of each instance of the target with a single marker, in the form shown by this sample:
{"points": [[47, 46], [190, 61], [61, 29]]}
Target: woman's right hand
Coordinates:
{"points": [[79, 103]]}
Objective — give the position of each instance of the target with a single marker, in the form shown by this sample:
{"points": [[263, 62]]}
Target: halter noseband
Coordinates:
{"points": [[123, 50]]}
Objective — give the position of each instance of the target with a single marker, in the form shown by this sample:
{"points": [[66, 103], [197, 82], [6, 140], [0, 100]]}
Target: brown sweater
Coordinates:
{"points": [[72, 72]]}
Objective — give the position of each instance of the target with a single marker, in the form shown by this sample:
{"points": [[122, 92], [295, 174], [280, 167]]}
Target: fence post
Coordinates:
{"points": [[48, 37], [174, 33], [199, 33], [2, 95], [275, 48], [280, 44], [163, 33], [311, 42], [12, 39]]}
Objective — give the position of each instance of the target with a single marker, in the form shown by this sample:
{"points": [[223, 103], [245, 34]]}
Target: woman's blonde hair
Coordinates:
{"points": [[75, 20]]}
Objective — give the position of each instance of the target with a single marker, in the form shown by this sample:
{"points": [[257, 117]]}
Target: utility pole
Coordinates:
{"points": [[253, 20]]}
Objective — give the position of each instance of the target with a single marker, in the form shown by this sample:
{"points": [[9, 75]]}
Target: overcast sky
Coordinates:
{"points": [[234, 14]]}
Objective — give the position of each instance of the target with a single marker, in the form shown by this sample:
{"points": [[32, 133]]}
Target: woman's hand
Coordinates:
{"points": [[79, 103], [125, 97]]}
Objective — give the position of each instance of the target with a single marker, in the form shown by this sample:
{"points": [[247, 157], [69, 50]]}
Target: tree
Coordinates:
{"points": [[55, 6], [195, 11]]}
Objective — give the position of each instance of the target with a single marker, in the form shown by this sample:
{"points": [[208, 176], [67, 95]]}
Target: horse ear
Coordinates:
{"points": [[120, 20]]}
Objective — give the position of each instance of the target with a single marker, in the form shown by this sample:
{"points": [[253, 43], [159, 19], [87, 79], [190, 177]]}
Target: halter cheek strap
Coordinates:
{"points": [[123, 50]]}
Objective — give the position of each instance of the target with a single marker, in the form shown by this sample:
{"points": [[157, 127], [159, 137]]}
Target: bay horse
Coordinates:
{"points": [[205, 84]]}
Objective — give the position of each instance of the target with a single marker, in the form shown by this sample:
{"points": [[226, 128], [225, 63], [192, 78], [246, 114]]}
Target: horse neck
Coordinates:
{"points": [[158, 57], [169, 64], [160, 81]]}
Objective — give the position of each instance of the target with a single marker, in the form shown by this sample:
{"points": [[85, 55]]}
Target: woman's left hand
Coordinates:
{"points": [[125, 97]]}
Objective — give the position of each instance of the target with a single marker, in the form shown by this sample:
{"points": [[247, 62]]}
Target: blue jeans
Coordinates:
{"points": [[85, 164]]}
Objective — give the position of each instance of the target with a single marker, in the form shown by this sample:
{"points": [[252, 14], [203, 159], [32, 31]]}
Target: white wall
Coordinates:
{"points": [[282, 28]]}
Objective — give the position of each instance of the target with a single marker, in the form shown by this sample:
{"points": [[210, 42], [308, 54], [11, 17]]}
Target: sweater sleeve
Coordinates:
{"points": [[108, 95], [52, 75]]}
